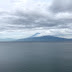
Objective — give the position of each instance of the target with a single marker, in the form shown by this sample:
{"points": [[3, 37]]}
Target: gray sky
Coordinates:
{"points": [[23, 18]]}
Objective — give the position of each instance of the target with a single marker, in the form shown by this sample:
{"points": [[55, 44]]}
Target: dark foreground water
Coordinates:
{"points": [[35, 57]]}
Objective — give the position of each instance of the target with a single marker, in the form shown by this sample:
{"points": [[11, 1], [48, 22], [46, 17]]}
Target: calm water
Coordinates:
{"points": [[35, 57]]}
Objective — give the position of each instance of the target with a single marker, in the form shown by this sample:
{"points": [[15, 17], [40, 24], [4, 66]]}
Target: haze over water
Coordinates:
{"points": [[35, 57]]}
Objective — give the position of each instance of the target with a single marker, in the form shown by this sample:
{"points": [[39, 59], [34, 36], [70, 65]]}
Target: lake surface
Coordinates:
{"points": [[35, 57]]}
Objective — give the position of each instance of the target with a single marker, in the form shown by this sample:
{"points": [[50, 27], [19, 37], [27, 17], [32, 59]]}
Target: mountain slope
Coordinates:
{"points": [[34, 35], [46, 39]]}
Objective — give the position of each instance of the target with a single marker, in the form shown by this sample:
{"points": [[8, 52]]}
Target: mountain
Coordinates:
{"points": [[45, 39]]}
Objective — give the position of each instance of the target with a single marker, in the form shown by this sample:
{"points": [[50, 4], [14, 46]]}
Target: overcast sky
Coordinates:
{"points": [[23, 18]]}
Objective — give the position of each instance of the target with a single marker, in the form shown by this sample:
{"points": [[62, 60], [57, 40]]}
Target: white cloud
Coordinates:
{"points": [[23, 18]]}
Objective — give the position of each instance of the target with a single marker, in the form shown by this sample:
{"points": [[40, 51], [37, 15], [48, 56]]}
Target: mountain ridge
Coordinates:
{"points": [[45, 39]]}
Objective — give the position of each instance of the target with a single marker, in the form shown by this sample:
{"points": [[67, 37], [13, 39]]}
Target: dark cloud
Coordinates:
{"points": [[22, 20], [30, 20], [61, 6]]}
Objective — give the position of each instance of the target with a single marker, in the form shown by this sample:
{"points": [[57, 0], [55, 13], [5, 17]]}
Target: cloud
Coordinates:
{"points": [[42, 16], [61, 6]]}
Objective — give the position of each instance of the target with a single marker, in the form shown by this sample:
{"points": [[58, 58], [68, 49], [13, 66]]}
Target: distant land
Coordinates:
{"points": [[36, 38], [45, 39]]}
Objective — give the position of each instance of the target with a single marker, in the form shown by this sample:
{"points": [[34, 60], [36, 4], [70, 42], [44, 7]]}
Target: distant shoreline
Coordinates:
{"points": [[31, 42]]}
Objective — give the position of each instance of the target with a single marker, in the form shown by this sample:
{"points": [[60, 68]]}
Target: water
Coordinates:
{"points": [[35, 57]]}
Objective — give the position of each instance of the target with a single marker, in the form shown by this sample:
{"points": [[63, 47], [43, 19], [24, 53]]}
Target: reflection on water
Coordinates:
{"points": [[35, 57]]}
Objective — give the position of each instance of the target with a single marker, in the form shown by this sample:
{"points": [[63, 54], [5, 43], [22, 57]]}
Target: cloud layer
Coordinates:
{"points": [[62, 6], [27, 17]]}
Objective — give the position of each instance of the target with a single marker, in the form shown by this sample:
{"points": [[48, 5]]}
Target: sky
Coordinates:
{"points": [[24, 18]]}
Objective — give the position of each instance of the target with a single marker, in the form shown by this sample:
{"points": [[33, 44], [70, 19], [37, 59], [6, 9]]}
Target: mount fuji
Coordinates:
{"points": [[47, 38]]}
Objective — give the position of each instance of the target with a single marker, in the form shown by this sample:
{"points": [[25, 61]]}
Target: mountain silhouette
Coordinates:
{"points": [[45, 39]]}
